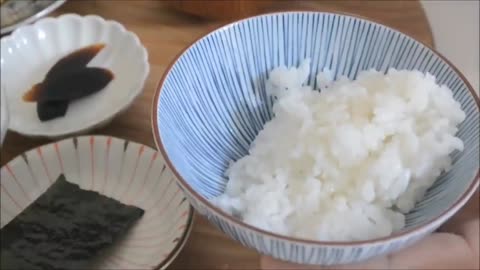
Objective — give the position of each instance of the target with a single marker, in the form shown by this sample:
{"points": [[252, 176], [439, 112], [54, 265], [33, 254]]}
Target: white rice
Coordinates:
{"points": [[345, 163]]}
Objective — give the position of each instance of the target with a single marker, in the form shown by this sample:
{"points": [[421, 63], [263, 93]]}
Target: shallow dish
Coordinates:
{"points": [[3, 115], [16, 13], [45, 42], [211, 103], [129, 172]]}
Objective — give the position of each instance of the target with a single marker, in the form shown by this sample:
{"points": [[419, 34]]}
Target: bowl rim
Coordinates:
{"points": [[181, 243], [33, 17], [463, 198], [133, 93], [175, 251]]}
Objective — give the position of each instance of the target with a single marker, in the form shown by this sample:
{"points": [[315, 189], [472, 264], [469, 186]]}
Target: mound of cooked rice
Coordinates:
{"points": [[348, 162]]}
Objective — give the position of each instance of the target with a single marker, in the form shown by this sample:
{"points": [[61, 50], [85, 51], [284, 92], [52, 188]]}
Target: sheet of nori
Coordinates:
{"points": [[65, 228]]}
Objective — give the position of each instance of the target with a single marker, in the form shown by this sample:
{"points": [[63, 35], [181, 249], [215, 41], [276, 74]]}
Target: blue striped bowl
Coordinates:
{"points": [[211, 103]]}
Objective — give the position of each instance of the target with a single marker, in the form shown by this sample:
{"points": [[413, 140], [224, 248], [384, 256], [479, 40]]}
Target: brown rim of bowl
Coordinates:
{"points": [[181, 242], [158, 141]]}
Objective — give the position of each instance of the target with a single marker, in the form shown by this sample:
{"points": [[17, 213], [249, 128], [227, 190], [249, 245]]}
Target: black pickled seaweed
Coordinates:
{"points": [[65, 228], [74, 61], [51, 109], [68, 80], [54, 103], [75, 85]]}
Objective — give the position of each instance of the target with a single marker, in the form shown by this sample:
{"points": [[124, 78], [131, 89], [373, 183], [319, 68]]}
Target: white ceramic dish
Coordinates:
{"points": [[28, 54], [129, 172], [17, 13], [3, 114]]}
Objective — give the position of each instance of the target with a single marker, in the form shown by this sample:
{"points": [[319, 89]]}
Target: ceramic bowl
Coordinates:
{"points": [[4, 116], [132, 173], [211, 103], [28, 54], [16, 13]]}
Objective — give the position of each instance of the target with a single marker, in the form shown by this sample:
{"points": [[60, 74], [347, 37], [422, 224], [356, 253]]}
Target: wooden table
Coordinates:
{"points": [[164, 33]]}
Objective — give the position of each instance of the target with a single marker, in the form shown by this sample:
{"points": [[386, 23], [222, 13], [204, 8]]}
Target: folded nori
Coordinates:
{"points": [[65, 228]]}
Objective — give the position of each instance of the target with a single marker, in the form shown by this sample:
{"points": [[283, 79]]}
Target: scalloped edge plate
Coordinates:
{"points": [[44, 43], [31, 13]]}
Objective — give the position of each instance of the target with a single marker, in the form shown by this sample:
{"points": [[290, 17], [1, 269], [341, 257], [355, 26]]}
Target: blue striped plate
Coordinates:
{"points": [[211, 103]]}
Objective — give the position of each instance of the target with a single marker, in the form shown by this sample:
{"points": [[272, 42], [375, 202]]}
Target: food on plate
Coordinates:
{"points": [[74, 61], [68, 80], [71, 63], [352, 159], [74, 85], [65, 228], [51, 109]]}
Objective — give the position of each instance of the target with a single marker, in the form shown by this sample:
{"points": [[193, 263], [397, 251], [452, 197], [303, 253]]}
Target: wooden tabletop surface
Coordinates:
{"points": [[165, 33]]}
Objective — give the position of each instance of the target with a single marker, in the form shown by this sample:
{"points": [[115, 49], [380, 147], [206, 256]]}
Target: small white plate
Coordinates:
{"points": [[131, 173], [3, 114], [28, 54], [16, 13]]}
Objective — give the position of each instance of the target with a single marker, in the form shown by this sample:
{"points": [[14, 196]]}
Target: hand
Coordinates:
{"points": [[455, 247]]}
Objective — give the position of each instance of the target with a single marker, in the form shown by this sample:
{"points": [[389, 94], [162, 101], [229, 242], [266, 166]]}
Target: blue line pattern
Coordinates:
{"points": [[213, 102]]}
